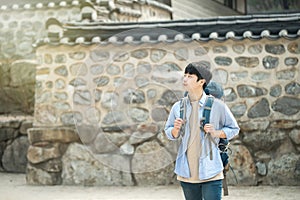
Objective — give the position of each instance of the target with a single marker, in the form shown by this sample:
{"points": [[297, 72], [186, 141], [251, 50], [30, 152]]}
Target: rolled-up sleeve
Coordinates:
{"points": [[174, 113]]}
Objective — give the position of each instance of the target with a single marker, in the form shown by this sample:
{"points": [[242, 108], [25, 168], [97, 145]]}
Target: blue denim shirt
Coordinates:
{"points": [[222, 118]]}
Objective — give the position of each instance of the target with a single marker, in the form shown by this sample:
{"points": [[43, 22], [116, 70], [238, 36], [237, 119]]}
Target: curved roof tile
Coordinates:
{"points": [[40, 5], [7, 5], [219, 29]]}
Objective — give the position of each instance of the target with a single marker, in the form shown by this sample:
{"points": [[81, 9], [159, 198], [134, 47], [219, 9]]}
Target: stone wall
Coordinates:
{"points": [[21, 28], [14, 143], [116, 98]]}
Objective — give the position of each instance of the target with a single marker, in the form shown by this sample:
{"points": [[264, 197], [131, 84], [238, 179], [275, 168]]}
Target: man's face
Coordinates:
{"points": [[191, 84]]}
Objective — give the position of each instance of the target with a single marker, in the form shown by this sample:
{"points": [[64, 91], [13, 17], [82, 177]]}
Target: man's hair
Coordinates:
{"points": [[200, 71]]}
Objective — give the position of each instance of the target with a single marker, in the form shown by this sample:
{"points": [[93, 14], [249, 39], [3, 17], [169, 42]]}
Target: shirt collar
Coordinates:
{"points": [[202, 100]]}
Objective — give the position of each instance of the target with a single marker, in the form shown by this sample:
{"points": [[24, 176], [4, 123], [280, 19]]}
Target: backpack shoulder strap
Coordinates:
{"points": [[182, 108], [183, 105], [182, 113], [206, 117], [207, 108]]}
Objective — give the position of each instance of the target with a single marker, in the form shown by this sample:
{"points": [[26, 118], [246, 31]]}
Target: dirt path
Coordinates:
{"points": [[13, 187]]}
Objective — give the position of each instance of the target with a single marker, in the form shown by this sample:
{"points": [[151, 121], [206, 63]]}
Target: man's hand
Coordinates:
{"points": [[177, 125], [209, 128]]}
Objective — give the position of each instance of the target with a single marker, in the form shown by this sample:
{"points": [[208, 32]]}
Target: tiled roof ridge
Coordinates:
{"points": [[157, 4], [187, 22], [253, 27], [41, 5], [49, 4]]}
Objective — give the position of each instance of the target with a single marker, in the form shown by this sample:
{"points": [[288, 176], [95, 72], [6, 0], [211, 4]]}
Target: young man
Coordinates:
{"points": [[198, 164]]}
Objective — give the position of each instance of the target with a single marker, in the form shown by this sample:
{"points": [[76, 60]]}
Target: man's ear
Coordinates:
{"points": [[202, 81]]}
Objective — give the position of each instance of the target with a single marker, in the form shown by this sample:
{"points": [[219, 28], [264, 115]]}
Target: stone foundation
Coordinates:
{"points": [[14, 143], [57, 156]]}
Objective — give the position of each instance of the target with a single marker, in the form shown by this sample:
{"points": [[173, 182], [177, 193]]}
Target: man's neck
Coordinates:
{"points": [[195, 96]]}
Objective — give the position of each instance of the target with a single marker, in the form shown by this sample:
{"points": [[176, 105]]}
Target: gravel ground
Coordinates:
{"points": [[13, 187]]}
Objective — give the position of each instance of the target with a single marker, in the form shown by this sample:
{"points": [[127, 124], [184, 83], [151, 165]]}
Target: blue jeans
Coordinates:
{"points": [[211, 190]]}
